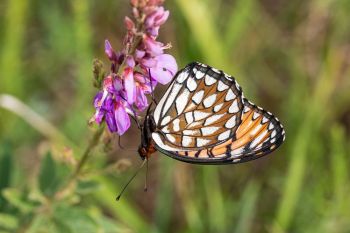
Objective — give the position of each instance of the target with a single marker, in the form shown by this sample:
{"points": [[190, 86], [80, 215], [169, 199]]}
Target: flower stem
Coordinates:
{"points": [[66, 189]]}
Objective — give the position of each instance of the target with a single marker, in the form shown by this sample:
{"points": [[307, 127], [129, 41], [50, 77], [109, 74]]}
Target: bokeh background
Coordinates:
{"points": [[291, 57]]}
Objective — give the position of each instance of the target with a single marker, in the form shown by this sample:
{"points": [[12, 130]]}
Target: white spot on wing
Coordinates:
{"points": [[198, 115], [228, 77], [156, 113], [273, 134], [246, 109], [176, 125], [202, 142], [231, 122], [255, 115], [264, 120], [209, 80], [190, 132], [171, 138], [230, 95], [234, 107], [225, 135], [169, 101], [222, 86], [194, 124], [191, 84], [256, 130], [182, 77], [215, 70], [165, 120], [258, 139], [209, 130], [166, 129], [270, 126], [186, 141], [212, 119], [181, 101], [218, 107], [197, 98], [199, 74], [237, 152], [156, 138], [189, 117], [209, 101]]}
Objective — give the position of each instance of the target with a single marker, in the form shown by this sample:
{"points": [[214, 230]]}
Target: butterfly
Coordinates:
{"points": [[204, 118]]}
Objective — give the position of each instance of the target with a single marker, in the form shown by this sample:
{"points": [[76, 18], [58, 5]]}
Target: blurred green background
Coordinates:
{"points": [[291, 57]]}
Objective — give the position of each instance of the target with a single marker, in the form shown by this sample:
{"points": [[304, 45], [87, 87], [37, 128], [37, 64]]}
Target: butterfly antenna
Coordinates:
{"points": [[150, 82], [127, 184], [146, 179]]}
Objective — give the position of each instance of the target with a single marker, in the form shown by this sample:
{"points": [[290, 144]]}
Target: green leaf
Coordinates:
{"points": [[76, 219], [15, 198], [52, 175], [87, 186], [47, 224], [8, 221], [47, 177], [5, 169]]}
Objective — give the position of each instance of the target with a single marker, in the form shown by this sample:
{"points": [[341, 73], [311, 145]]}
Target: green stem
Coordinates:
{"points": [[71, 182]]}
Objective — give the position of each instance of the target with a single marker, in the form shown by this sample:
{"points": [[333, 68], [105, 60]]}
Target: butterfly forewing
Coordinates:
{"points": [[204, 118], [201, 108]]}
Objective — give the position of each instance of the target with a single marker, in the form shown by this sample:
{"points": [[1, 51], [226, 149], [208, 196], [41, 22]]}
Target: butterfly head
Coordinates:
{"points": [[146, 147]]}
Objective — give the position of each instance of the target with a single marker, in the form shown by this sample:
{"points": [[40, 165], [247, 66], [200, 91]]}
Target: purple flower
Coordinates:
{"points": [[122, 117], [109, 51], [165, 68], [146, 83], [153, 47], [113, 110], [134, 72], [129, 84], [155, 20]]}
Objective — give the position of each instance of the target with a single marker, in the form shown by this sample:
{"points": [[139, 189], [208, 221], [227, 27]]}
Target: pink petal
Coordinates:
{"points": [[111, 121], [168, 62], [139, 54], [153, 47], [130, 61], [129, 85], [109, 51], [165, 70], [122, 119], [141, 99]]}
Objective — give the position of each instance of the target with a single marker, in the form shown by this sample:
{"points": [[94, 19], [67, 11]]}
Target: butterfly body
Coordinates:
{"points": [[204, 118]]}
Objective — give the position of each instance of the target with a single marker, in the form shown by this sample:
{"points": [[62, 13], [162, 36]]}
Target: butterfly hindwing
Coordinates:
{"points": [[204, 118]]}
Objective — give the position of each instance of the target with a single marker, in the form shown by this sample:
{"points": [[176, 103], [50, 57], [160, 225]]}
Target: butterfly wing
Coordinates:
{"points": [[229, 130], [201, 108]]}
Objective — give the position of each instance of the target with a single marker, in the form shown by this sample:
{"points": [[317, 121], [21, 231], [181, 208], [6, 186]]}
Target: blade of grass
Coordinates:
{"points": [[243, 12], [12, 47], [122, 209], [202, 26], [339, 170], [165, 195], [38, 122], [312, 121], [214, 199], [80, 112], [248, 208]]}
